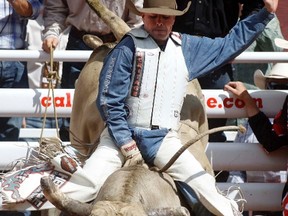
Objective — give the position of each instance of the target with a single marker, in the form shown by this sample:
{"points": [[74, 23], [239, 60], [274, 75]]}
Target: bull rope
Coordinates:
{"points": [[198, 137], [52, 75]]}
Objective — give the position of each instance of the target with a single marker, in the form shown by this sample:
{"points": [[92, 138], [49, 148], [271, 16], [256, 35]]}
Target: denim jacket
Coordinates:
{"points": [[202, 55]]}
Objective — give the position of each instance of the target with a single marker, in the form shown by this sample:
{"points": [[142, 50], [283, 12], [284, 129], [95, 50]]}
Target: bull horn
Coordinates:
{"points": [[116, 24], [179, 211], [63, 202], [198, 137]]}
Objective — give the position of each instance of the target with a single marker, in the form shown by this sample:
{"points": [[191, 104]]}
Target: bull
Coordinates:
{"points": [[138, 192]]}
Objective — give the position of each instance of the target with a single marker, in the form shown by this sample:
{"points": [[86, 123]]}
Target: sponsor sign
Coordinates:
{"points": [[33, 102]]}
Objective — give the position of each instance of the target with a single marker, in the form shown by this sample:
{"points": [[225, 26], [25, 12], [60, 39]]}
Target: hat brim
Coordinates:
{"points": [[259, 79], [281, 43], [160, 11]]}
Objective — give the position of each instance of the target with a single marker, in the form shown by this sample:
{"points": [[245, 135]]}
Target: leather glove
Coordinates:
{"points": [[132, 154]]}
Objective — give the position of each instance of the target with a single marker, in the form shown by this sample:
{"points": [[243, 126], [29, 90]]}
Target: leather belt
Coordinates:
{"points": [[108, 38]]}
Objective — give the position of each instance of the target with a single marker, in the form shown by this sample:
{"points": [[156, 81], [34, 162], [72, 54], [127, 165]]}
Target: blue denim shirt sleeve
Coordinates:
{"points": [[36, 7], [203, 55], [114, 86]]}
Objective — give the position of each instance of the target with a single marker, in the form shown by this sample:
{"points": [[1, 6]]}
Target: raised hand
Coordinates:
{"points": [[271, 5], [240, 91], [237, 88]]}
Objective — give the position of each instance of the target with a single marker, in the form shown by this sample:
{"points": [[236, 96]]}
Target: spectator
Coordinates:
{"points": [[34, 40], [271, 135], [37, 70], [14, 16], [83, 20]]}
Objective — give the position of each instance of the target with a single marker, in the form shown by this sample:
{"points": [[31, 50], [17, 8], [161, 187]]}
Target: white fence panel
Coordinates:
{"points": [[82, 56], [32, 102]]}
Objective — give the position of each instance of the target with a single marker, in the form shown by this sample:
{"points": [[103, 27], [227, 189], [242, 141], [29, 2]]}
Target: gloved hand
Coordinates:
{"points": [[132, 154]]}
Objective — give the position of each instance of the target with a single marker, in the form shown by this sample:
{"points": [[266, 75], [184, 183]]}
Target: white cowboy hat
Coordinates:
{"points": [[278, 71], [281, 43], [162, 7]]}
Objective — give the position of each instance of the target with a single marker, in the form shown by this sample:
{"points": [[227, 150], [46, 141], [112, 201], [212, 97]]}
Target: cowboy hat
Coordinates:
{"points": [[278, 71], [281, 43], [162, 7]]}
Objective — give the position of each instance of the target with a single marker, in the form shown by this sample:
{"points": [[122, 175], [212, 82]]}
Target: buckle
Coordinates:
{"points": [[155, 127]]}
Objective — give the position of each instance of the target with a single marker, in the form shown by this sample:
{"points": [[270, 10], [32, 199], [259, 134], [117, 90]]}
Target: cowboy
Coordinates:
{"points": [[142, 86]]}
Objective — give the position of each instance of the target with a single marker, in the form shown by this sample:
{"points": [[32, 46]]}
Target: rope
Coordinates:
{"points": [[198, 137], [52, 76]]}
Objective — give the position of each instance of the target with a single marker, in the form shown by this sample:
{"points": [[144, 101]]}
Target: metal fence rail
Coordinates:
{"points": [[82, 56]]}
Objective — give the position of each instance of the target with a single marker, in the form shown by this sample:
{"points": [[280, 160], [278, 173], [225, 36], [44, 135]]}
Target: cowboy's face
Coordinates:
{"points": [[158, 26]]}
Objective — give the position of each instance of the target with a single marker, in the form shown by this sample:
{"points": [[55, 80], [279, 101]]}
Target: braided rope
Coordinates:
{"points": [[52, 76]]}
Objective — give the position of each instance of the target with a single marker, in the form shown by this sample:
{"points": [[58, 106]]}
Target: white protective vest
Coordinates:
{"points": [[159, 82]]}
